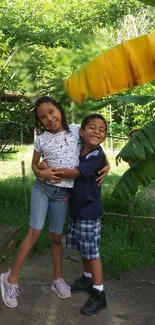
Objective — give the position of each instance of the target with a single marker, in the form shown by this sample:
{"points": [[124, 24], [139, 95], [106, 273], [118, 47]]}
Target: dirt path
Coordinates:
{"points": [[131, 301]]}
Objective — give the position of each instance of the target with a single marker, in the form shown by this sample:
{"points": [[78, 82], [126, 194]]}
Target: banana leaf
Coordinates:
{"points": [[148, 2], [121, 68], [140, 146], [137, 100], [142, 172]]}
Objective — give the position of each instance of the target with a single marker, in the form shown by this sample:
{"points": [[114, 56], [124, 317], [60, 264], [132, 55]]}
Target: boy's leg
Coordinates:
{"points": [[84, 283], [97, 274], [97, 299], [87, 267], [90, 250], [8, 280], [57, 216], [92, 276]]}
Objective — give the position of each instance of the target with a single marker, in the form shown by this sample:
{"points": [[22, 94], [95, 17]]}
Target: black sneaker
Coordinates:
{"points": [[82, 284], [95, 303]]}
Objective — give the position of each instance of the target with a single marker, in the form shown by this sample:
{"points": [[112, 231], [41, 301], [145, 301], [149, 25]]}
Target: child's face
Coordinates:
{"points": [[94, 132], [50, 117]]}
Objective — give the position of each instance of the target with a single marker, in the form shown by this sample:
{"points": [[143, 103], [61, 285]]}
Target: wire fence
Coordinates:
{"points": [[17, 173], [13, 133], [140, 206]]}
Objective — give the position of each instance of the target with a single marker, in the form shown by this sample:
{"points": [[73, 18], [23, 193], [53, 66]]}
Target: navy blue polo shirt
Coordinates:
{"points": [[85, 197]]}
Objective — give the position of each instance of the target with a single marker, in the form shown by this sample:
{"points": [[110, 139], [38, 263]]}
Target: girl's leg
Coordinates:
{"points": [[57, 216], [57, 254], [8, 281], [59, 286], [23, 252], [38, 211], [39, 206], [57, 212]]}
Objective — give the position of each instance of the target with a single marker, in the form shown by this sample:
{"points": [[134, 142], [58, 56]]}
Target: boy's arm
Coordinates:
{"points": [[46, 174], [85, 168], [103, 172], [63, 172], [69, 172]]}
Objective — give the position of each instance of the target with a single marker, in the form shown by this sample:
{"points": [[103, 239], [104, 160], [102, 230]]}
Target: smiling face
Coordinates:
{"points": [[50, 117], [94, 132]]}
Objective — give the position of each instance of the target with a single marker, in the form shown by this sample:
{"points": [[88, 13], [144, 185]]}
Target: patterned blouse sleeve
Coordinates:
{"points": [[37, 145], [75, 129]]}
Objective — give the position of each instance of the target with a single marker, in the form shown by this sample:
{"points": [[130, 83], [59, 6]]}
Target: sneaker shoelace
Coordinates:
{"points": [[93, 298], [15, 291]]}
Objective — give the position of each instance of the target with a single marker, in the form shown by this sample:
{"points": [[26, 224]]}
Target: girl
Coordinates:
{"points": [[58, 143]]}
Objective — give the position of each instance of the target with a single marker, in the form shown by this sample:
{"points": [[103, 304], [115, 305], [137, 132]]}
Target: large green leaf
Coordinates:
{"points": [[138, 100], [141, 151], [148, 2], [140, 146], [142, 172]]}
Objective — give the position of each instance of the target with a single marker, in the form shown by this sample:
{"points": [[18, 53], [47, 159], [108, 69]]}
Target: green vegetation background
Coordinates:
{"points": [[124, 245]]}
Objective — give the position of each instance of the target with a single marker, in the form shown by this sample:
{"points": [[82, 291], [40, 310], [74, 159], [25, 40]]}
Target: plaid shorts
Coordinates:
{"points": [[84, 235]]}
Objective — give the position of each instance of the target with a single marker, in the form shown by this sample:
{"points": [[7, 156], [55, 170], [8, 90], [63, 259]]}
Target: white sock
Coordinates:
{"points": [[88, 275], [98, 287]]}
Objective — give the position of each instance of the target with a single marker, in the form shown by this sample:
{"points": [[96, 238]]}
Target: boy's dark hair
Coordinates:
{"points": [[46, 99], [92, 117]]}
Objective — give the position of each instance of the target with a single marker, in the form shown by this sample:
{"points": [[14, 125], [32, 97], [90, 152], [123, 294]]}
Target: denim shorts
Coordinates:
{"points": [[48, 200], [84, 235]]}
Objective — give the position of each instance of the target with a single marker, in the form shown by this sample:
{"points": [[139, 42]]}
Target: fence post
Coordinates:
{"points": [[131, 208], [24, 181]]}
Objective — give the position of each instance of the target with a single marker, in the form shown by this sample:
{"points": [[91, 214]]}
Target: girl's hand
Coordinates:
{"points": [[104, 171], [43, 165]]}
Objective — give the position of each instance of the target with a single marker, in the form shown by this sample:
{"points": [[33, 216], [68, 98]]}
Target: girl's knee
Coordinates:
{"points": [[56, 239], [34, 234]]}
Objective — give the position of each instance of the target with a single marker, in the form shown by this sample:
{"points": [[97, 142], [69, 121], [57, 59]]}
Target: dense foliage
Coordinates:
{"points": [[42, 42]]}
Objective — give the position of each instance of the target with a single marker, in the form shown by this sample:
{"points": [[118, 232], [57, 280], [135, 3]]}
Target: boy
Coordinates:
{"points": [[86, 210]]}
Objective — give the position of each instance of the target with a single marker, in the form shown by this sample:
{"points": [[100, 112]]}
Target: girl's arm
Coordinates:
{"points": [[35, 160]]}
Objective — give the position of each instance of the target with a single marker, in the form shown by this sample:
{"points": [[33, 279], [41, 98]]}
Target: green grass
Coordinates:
{"points": [[14, 210], [123, 245]]}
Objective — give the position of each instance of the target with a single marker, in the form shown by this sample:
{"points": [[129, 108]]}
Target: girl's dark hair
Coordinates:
{"points": [[46, 99], [92, 117]]}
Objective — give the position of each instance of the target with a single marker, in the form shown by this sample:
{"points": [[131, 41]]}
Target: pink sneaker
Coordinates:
{"points": [[61, 288], [9, 291]]}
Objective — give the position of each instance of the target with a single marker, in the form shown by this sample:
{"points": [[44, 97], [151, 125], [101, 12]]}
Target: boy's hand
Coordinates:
{"points": [[51, 174], [104, 171], [130, 162]]}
